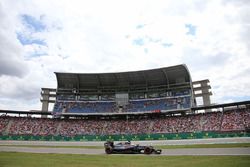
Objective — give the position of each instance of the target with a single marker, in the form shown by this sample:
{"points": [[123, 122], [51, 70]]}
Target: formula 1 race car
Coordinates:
{"points": [[128, 148]]}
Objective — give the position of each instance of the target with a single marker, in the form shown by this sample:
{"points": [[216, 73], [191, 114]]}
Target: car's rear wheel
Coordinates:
{"points": [[147, 150], [108, 150]]}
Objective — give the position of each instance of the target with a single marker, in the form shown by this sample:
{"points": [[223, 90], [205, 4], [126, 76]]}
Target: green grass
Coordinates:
{"points": [[44, 146], [231, 145], [11, 159]]}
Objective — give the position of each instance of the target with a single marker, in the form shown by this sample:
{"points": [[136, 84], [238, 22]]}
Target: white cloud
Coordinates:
{"points": [[98, 36], [11, 52]]}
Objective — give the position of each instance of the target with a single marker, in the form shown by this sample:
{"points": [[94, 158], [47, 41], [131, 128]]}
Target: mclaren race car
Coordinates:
{"points": [[128, 148]]}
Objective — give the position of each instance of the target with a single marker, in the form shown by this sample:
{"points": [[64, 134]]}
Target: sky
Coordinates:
{"points": [[40, 37]]}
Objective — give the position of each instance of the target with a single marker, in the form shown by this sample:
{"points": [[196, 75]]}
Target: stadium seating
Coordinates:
{"points": [[233, 120], [3, 124], [142, 105], [159, 104], [84, 106]]}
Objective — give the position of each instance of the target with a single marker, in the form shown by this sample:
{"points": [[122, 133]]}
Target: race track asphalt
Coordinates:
{"points": [[169, 152], [5, 147]]}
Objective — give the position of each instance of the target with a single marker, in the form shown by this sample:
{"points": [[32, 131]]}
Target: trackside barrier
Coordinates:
{"points": [[139, 137]]}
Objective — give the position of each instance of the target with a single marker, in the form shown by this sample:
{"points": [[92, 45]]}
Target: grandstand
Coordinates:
{"points": [[157, 90], [140, 105]]}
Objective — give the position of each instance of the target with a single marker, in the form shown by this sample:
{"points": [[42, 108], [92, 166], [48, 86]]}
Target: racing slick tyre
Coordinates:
{"points": [[108, 150], [147, 150]]}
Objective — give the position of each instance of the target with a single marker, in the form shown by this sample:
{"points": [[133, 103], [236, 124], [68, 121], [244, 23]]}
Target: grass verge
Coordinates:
{"points": [[11, 159]]}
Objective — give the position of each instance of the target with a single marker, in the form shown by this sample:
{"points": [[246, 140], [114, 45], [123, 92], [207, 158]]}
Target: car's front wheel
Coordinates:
{"points": [[108, 150]]}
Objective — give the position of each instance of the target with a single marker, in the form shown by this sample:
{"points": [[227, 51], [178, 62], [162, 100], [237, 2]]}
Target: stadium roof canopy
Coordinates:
{"points": [[168, 76]]}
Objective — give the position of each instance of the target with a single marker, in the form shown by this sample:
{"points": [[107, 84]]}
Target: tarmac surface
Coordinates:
{"points": [[5, 147], [169, 152]]}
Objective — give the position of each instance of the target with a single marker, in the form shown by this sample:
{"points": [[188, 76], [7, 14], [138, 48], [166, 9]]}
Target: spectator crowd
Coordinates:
{"points": [[233, 120]]}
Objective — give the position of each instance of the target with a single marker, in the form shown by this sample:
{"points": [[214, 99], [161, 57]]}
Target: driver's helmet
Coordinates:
{"points": [[128, 142]]}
